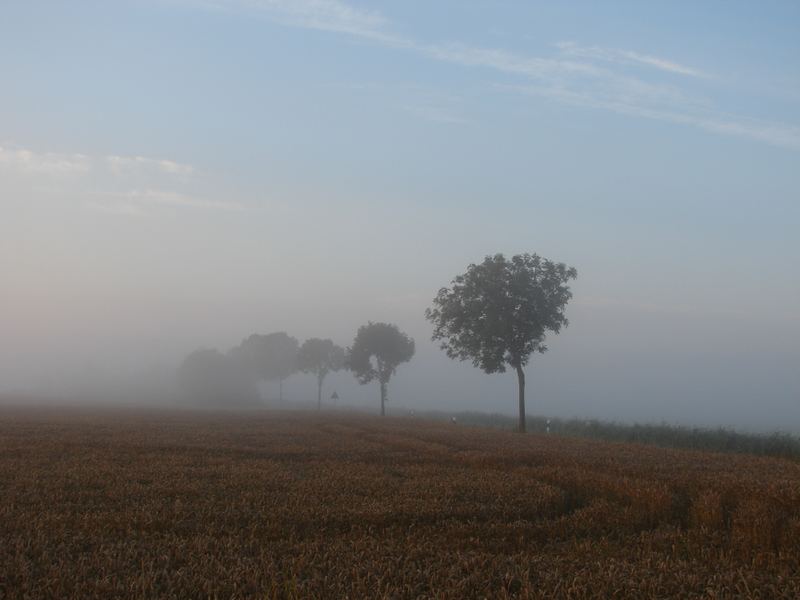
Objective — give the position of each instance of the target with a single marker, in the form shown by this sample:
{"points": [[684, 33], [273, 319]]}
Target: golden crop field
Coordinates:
{"points": [[292, 505]]}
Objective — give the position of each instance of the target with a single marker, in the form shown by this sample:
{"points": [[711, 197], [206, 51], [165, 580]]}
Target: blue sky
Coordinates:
{"points": [[180, 173]]}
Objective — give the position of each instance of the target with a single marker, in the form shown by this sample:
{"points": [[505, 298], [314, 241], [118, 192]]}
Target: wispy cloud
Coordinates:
{"points": [[507, 62], [100, 178], [776, 134], [578, 75], [597, 53], [329, 15], [24, 160], [323, 15], [44, 163], [122, 164]]}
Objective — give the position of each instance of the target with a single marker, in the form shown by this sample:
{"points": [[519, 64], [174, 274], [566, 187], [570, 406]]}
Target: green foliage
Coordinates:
{"points": [[776, 444], [675, 436], [377, 351], [271, 357], [499, 312], [320, 357], [383, 342]]}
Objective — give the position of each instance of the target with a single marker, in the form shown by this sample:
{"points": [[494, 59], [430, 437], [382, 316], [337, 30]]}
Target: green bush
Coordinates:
{"points": [[675, 436]]}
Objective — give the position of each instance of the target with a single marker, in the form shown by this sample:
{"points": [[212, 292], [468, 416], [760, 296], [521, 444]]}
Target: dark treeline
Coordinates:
{"points": [[496, 315], [212, 378], [783, 445]]}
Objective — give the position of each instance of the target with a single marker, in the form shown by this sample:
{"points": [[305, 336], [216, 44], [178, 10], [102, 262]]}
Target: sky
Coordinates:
{"points": [[177, 174]]}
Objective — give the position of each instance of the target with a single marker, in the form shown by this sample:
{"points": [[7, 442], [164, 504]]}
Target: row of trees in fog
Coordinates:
{"points": [[211, 377], [496, 315]]}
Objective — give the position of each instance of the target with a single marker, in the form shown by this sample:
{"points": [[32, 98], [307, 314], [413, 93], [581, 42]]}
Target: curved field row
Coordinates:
{"points": [[281, 505]]}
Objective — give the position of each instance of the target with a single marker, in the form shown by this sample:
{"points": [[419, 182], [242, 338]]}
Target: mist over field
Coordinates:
{"points": [[177, 175], [659, 373], [465, 299]]}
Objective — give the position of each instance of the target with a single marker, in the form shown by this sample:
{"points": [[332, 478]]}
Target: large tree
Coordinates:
{"points": [[271, 357], [377, 351], [498, 313], [320, 357]]}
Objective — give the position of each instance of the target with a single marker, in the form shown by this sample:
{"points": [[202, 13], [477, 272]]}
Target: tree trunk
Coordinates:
{"points": [[319, 393], [280, 390], [521, 381], [383, 399]]}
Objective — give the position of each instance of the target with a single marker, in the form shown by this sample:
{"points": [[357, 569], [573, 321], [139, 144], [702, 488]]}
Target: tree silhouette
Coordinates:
{"points": [[499, 312], [377, 351], [271, 357], [320, 357]]}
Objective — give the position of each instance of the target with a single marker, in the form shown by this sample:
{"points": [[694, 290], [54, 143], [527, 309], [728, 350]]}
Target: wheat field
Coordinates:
{"points": [[131, 504]]}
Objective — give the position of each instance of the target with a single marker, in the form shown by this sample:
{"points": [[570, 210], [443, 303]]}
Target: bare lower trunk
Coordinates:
{"points": [[383, 399], [521, 381], [319, 393], [280, 390]]}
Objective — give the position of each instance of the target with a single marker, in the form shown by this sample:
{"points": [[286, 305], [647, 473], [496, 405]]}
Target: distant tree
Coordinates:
{"points": [[499, 312], [212, 378], [377, 351], [320, 357], [271, 357]]}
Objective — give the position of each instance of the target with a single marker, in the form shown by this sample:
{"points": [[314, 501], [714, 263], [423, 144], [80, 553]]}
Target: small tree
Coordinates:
{"points": [[498, 313], [377, 351], [320, 357], [271, 357]]}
